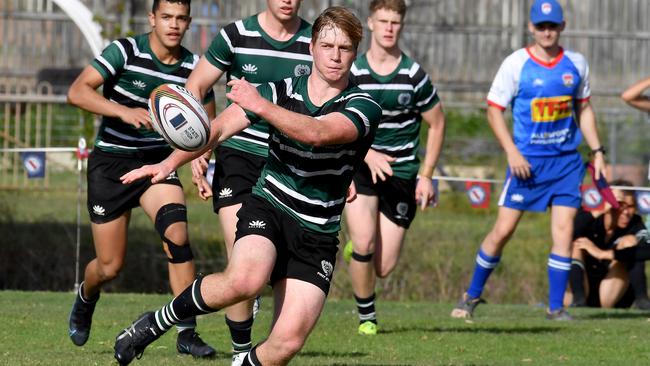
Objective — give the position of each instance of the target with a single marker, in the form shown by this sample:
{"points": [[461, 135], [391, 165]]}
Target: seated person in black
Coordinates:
{"points": [[604, 279]]}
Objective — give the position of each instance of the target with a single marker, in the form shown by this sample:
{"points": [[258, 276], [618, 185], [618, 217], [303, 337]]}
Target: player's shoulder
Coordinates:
{"points": [[517, 58], [412, 68], [576, 58]]}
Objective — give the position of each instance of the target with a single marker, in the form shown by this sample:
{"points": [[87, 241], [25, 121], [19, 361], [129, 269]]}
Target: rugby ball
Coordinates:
{"points": [[179, 117]]}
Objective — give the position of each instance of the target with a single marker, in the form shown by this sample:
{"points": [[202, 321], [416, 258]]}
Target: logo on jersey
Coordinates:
{"points": [[99, 210], [139, 84], [404, 98], [249, 69], [567, 79], [300, 70], [538, 82], [517, 198], [551, 109], [547, 8], [328, 269], [257, 224], [225, 192]]}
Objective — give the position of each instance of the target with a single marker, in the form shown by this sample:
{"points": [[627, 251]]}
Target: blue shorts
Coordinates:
{"points": [[554, 181]]}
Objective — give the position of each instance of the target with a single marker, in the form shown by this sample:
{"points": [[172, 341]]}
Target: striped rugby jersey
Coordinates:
{"points": [[131, 71], [243, 50], [307, 182], [403, 95]]}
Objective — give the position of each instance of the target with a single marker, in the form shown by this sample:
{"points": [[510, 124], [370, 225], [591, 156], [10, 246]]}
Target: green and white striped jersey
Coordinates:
{"points": [[310, 183], [131, 71], [243, 50], [403, 95]]}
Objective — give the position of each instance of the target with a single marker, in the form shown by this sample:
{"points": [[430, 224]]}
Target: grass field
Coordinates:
{"points": [[34, 332]]}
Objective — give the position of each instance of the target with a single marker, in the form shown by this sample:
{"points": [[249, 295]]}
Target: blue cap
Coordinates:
{"points": [[546, 11]]}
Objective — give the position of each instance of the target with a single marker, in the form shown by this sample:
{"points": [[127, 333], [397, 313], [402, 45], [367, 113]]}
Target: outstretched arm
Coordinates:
{"points": [[334, 128], [634, 95], [229, 122]]}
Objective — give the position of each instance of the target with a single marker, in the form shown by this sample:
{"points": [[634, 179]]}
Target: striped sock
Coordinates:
{"points": [[558, 277], [240, 334], [188, 304], [251, 358], [366, 308], [485, 264]]}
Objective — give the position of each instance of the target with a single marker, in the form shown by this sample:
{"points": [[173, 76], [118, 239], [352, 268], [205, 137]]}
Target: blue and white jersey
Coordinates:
{"points": [[544, 98]]}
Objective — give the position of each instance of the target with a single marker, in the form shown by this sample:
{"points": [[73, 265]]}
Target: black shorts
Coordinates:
{"points": [[396, 195], [235, 174], [301, 254], [108, 198]]}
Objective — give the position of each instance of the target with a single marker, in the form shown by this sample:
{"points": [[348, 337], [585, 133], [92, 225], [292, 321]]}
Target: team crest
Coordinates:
{"points": [[402, 208], [300, 70], [328, 268], [404, 98], [547, 8], [567, 79]]}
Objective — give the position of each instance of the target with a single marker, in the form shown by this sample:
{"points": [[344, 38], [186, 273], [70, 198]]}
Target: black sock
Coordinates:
{"points": [[576, 281], [186, 305], [240, 334], [186, 324], [638, 280], [251, 358], [366, 308]]}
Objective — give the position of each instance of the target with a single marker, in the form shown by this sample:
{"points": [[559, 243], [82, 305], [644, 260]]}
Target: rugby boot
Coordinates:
{"points": [[465, 307], [189, 342], [132, 341], [81, 317]]}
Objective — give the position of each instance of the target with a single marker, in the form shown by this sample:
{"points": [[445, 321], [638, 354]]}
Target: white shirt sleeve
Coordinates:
{"points": [[584, 90], [506, 82]]}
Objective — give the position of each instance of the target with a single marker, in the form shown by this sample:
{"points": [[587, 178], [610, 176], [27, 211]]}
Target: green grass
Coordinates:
{"points": [[34, 332]]}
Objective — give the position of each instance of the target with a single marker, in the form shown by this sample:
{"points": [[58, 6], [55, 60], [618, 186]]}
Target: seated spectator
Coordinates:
{"points": [[602, 279]]}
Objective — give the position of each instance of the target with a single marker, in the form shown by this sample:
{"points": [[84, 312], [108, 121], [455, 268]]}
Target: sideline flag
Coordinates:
{"points": [[592, 200], [603, 187], [643, 202], [34, 163], [478, 194]]}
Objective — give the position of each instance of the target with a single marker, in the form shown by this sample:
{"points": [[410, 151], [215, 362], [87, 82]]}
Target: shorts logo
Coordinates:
{"points": [[567, 79], [171, 176], [404, 98], [300, 70], [99, 210], [257, 224], [551, 109], [517, 198], [402, 208], [225, 192], [328, 269], [249, 69]]}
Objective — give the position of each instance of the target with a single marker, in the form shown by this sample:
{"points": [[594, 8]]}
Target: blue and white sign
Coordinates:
{"points": [[643, 202], [591, 198], [34, 163]]}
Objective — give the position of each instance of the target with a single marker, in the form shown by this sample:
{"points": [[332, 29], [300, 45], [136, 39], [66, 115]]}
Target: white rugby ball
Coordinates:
{"points": [[179, 117]]}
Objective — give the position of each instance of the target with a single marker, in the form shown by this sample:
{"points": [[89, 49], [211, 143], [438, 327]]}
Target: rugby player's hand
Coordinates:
{"points": [[352, 193], [599, 166], [200, 166], [201, 183], [379, 165], [136, 117], [424, 193], [245, 95], [519, 166], [157, 172]]}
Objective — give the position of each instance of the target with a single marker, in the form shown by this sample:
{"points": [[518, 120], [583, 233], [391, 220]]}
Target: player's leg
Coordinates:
{"points": [[165, 206], [110, 248], [614, 285], [487, 259], [238, 317], [388, 252], [248, 271], [559, 261], [361, 217], [298, 305]]}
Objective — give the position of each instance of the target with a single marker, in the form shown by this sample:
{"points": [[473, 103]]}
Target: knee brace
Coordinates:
{"points": [[362, 258], [167, 215]]}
